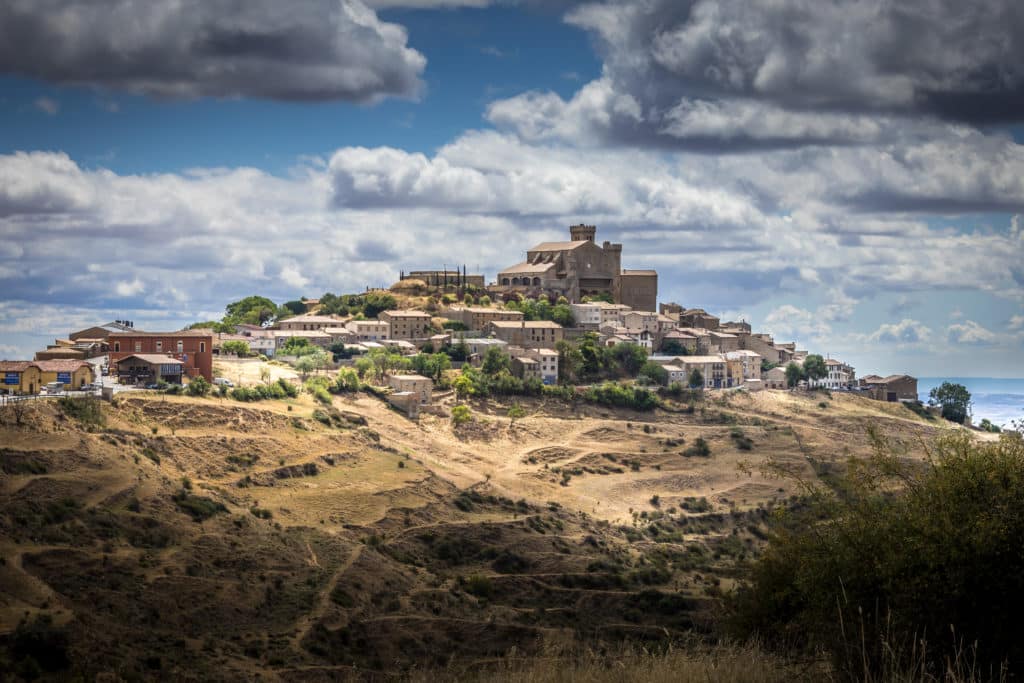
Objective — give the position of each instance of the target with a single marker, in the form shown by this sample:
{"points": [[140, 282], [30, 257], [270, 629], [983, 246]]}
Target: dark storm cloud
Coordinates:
{"points": [[963, 61], [299, 50]]}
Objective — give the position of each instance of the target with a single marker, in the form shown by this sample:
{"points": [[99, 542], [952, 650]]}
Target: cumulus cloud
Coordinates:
{"points": [[1016, 322], [970, 332], [906, 332], [917, 56], [303, 50], [788, 321]]}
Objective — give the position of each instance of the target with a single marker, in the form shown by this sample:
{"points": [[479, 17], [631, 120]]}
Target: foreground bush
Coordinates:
{"points": [[916, 580], [621, 396]]}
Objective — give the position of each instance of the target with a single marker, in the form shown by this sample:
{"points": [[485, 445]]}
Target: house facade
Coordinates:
{"points": [[194, 349], [29, 377], [418, 385], [529, 334], [406, 324]]}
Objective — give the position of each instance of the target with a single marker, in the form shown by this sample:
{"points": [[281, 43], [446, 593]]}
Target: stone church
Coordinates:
{"points": [[579, 268]]}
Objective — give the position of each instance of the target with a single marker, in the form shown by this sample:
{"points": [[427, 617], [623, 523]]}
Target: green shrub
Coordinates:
{"points": [[479, 586], [198, 386], [85, 409], [622, 396], [700, 449], [200, 508], [461, 414], [742, 441], [894, 581]]}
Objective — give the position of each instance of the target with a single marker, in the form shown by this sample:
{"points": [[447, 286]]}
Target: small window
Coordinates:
{"points": [[117, 347], [181, 346], [202, 347], [159, 345], [138, 346]]}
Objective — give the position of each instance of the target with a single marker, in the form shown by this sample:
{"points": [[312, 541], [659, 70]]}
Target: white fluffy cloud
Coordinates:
{"points": [[298, 50], [906, 332], [791, 322], [970, 332]]}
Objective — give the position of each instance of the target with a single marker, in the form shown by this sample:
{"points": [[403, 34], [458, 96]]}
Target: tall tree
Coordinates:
{"points": [[954, 399], [252, 310], [814, 367], [794, 373]]}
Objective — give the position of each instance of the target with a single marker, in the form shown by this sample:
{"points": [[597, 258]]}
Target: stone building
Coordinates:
{"points": [[579, 268], [407, 324], [479, 317], [529, 334], [418, 385]]}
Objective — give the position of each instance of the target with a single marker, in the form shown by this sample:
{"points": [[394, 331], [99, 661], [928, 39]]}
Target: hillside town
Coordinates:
{"points": [[536, 314]]}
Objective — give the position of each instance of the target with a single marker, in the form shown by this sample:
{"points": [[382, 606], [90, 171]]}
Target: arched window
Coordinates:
{"points": [[504, 281], [536, 282]]}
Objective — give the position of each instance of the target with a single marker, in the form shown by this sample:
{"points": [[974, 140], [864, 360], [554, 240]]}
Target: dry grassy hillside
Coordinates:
{"points": [[203, 539]]}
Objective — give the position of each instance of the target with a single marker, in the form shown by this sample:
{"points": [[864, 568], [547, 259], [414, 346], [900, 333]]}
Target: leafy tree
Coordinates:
{"points": [[347, 380], [673, 347], [654, 373], [252, 310], [814, 367], [454, 325], [767, 365], [900, 566], [431, 365], [236, 347], [198, 386], [464, 386], [297, 346], [294, 307], [597, 360], [629, 357], [461, 414], [364, 366], [986, 425], [468, 299], [570, 361], [954, 399], [696, 379], [305, 365], [562, 314], [339, 352], [495, 360], [485, 300], [794, 373], [215, 325]]}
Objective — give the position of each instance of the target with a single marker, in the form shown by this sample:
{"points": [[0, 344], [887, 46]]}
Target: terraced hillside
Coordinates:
{"points": [[200, 539]]}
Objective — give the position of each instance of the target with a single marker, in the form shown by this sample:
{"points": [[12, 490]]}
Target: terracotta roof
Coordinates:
{"points": [[68, 365], [405, 314], [310, 319], [527, 267], [59, 365], [526, 324], [179, 333], [154, 359], [558, 246], [893, 378]]}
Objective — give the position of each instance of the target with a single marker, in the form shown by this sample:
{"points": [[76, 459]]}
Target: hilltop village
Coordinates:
{"points": [[567, 315]]}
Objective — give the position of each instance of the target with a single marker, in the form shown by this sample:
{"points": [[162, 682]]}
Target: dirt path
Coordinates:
{"points": [[306, 621]]}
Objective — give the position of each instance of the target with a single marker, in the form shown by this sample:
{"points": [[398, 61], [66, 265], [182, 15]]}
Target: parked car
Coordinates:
{"points": [[223, 382], [153, 385]]}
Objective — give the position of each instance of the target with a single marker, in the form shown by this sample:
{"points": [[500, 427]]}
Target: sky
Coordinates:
{"points": [[847, 175]]}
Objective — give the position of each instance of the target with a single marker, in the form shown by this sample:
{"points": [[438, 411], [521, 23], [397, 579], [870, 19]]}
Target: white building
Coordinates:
{"points": [[751, 363], [840, 375]]}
